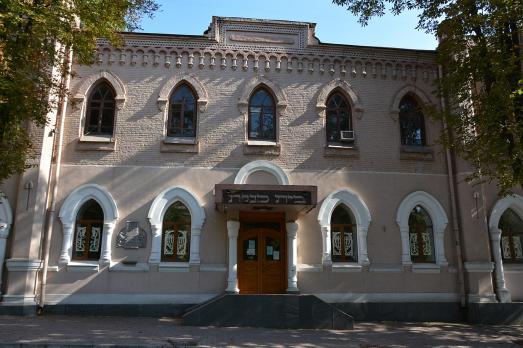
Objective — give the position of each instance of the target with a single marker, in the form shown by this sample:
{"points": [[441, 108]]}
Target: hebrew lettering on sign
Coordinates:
{"points": [[266, 197], [131, 237]]}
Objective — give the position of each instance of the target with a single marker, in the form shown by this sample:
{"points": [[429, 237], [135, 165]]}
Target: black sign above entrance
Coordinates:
{"points": [[249, 197], [266, 197]]}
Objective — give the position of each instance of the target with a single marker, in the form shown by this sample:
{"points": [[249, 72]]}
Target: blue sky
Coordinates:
{"points": [[334, 23]]}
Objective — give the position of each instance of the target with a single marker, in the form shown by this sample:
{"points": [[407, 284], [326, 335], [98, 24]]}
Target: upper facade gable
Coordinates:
{"points": [[250, 33]]}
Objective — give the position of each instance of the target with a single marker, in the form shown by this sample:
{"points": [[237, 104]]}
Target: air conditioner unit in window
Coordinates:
{"points": [[347, 136]]}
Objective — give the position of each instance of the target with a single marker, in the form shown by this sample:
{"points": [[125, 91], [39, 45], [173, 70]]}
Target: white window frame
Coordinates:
{"points": [[68, 214], [363, 219], [439, 224]]}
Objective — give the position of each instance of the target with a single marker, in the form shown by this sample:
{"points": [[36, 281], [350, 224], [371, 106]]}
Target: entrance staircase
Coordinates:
{"points": [[286, 311]]}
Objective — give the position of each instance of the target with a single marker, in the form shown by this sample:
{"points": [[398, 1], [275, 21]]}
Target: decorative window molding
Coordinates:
{"points": [[253, 84], [421, 97], [85, 87], [6, 220], [439, 224], [261, 166], [514, 202], [192, 81], [157, 211], [69, 211], [349, 92], [361, 214]]}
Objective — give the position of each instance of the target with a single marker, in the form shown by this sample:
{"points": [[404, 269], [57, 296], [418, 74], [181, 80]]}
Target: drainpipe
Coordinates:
{"points": [[57, 151], [451, 172]]}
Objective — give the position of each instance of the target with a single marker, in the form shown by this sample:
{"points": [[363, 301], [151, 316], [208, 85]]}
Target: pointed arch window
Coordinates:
{"points": [[100, 110], [339, 119], [344, 238], [511, 226], [412, 122], [421, 236], [182, 118], [262, 116], [88, 232], [176, 233]]}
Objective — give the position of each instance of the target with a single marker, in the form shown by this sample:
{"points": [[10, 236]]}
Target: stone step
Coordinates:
{"points": [[285, 311]]}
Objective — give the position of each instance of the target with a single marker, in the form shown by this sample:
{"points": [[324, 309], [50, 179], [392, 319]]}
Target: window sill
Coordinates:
{"points": [[83, 266], [122, 267], [180, 145], [96, 143], [513, 267], [261, 147], [417, 153], [180, 140], [173, 267], [310, 267], [426, 268], [341, 150], [346, 267]]}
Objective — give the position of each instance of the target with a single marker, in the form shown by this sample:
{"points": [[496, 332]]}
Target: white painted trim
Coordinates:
{"points": [[389, 297], [6, 213], [439, 224], [386, 268], [6, 220], [23, 265], [69, 211], [138, 267], [173, 267], [485, 298], [82, 194], [361, 213], [346, 267], [261, 166], [346, 89], [426, 268], [514, 202], [161, 203], [479, 266], [105, 298], [305, 267], [18, 300], [83, 266], [219, 267]]}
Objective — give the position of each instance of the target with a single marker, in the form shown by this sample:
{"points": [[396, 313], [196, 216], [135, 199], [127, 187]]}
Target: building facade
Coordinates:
{"points": [[253, 159]]}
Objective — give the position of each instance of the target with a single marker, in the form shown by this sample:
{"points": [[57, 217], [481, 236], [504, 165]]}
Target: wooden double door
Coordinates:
{"points": [[261, 258]]}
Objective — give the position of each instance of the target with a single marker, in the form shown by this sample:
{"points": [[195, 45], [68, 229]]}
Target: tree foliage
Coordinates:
{"points": [[480, 52], [31, 34]]}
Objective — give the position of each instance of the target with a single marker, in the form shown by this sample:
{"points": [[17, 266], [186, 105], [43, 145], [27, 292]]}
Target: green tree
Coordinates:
{"points": [[480, 51], [31, 34]]}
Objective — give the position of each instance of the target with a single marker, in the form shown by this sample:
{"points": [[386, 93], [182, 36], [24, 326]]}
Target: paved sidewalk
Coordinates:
{"points": [[77, 331]]}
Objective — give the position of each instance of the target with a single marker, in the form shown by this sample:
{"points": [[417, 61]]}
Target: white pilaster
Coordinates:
{"points": [[195, 246], [67, 244], [156, 243], [4, 233], [363, 257], [326, 238], [105, 255], [233, 227], [439, 248], [501, 287], [292, 257], [405, 247]]}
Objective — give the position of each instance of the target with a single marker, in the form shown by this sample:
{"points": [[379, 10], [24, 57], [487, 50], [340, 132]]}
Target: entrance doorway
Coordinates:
{"points": [[261, 255]]}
